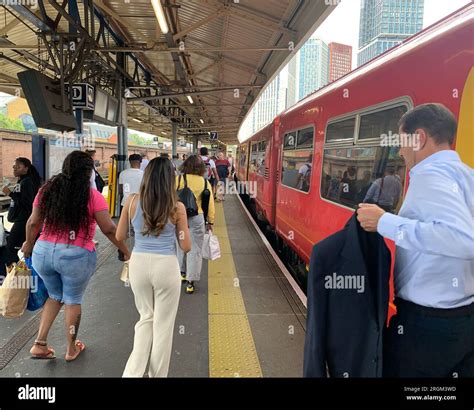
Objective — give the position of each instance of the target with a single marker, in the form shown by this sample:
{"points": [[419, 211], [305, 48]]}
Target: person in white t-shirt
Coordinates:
{"points": [[131, 178], [145, 161]]}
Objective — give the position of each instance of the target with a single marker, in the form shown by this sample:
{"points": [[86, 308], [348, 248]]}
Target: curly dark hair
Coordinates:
{"points": [[65, 197]]}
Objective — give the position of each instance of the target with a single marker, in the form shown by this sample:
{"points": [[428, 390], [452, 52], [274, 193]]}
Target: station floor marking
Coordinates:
{"points": [[232, 351]]}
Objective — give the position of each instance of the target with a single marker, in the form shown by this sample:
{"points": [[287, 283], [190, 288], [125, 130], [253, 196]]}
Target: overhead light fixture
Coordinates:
{"points": [[137, 120], [160, 15], [164, 133], [190, 99], [202, 121]]}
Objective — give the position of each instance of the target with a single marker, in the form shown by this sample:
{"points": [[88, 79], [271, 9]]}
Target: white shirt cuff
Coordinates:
{"points": [[389, 225]]}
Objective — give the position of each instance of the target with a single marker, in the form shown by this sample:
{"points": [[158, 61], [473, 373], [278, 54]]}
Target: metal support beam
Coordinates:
{"points": [[200, 23], [195, 144], [174, 139], [31, 17], [177, 95]]}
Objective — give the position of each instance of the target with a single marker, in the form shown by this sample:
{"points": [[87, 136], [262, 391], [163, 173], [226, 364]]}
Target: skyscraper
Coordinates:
{"points": [[340, 60], [386, 23], [313, 67]]}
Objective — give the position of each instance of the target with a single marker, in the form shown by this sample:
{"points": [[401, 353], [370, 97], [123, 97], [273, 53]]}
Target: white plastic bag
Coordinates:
{"points": [[3, 235], [210, 247]]}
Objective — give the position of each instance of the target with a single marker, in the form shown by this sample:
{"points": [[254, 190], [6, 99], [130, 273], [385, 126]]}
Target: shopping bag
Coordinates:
{"points": [[210, 248], [38, 292], [3, 233], [15, 290]]}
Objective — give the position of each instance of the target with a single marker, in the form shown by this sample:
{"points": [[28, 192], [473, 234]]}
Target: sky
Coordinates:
{"points": [[342, 25]]}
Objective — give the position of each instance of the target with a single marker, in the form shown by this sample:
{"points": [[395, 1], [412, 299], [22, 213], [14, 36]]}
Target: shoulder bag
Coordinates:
{"points": [[124, 276]]}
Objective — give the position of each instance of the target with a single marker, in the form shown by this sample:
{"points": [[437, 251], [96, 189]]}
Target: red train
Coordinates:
{"points": [[314, 163]]}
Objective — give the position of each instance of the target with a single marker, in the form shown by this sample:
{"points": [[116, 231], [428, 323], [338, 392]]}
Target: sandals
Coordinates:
{"points": [[47, 355], [81, 346]]}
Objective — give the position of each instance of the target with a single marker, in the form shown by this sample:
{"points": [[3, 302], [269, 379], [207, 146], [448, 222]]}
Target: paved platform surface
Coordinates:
{"points": [[242, 300]]}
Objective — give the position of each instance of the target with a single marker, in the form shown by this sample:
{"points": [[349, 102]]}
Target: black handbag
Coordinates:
{"points": [[205, 198], [186, 196]]}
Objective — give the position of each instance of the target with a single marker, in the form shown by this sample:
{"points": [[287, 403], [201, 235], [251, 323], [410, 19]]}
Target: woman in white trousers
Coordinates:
{"points": [[159, 221]]}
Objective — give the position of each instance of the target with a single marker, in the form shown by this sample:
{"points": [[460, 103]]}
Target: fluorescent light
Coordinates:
{"points": [[190, 99], [137, 120], [202, 121], [164, 133], [160, 15]]}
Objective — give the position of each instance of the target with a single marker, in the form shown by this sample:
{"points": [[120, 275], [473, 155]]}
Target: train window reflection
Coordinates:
{"points": [[381, 123], [254, 157], [305, 138], [341, 130], [298, 159], [261, 158], [372, 174]]}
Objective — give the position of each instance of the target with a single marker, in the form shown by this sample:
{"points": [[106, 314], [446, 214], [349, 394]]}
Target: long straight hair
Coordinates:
{"points": [[31, 173], [158, 197]]}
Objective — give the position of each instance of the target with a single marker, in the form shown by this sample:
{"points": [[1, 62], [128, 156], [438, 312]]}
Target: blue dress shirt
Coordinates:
{"points": [[434, 234]]}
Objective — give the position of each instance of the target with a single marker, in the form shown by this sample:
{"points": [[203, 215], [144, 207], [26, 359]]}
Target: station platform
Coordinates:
{"points": [[244, 319]]}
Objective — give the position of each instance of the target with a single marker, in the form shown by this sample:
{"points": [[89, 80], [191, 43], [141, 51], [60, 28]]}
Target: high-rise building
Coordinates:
{"points": [[386, 23], [292, 89], [313, 67], [340, 60]]}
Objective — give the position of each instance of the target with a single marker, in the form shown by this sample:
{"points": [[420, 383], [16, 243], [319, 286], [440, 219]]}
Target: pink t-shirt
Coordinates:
{"points": [[96, 203]]}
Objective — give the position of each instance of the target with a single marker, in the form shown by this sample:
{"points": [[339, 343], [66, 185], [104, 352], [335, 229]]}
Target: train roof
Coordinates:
{"points": [[451, 21]]}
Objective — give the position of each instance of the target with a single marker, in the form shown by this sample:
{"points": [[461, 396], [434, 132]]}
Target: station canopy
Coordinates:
{"points": [[204, 73]]}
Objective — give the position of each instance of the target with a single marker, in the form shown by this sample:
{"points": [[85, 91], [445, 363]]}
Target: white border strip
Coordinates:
{"points": [[280, 264]]}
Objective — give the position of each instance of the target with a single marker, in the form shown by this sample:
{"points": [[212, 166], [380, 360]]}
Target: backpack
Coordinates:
{"points": [[205, 198], [99, 182], [186, 196]]}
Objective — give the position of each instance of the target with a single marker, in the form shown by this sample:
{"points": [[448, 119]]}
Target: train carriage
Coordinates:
{"points": [[324, 153]]}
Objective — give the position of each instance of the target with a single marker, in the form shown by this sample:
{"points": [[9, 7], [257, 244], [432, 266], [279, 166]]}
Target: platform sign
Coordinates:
{"points": [[214, 136], [214, 146], [82, 96]]}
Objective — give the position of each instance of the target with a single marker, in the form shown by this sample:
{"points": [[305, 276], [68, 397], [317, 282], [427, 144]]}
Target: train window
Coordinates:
{"points": [[254, 157], [341, 130], [380, 123], [289, 142], [243, 156], [367, 174], [261, 158], [298, 159], [305, 138]]}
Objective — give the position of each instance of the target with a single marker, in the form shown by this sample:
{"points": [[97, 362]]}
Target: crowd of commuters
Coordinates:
{"points": [[433, 233], [55, 225]]}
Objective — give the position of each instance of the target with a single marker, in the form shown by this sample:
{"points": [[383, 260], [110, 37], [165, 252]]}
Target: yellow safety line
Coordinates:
{"points": [[232, 351]]}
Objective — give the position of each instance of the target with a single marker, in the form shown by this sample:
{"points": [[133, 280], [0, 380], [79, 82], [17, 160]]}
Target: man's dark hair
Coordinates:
{"points": [[90, 152], [435, 119], [135, 157], [204, 151]]}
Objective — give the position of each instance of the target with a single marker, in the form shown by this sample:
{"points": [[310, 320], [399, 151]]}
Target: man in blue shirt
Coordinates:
{"points": [[432, 334]]}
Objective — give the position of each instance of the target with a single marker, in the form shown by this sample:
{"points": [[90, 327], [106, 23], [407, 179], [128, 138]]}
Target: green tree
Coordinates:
{"points": [[11, 123], [137, 139]]}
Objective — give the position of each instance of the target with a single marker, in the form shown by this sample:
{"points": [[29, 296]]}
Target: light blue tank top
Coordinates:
{"points": [[163, 244]]}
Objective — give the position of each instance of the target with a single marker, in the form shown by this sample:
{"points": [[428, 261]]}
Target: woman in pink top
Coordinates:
{"points": [[64, 256]]}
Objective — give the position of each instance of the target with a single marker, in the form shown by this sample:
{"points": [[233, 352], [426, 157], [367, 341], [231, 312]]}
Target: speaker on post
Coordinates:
{"points": [[44, 98]]}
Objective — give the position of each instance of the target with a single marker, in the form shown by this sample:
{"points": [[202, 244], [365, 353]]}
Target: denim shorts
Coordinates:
{"points": [[65, 270]]}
